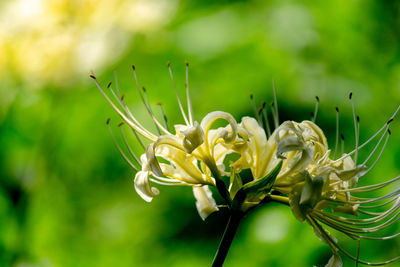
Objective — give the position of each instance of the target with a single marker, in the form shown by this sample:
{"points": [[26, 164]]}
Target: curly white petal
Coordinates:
{"points": [[143, 187], [205, 203]]}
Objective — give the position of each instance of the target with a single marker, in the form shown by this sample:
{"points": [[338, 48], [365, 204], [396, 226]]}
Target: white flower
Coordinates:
{"points": [[292, 165]]}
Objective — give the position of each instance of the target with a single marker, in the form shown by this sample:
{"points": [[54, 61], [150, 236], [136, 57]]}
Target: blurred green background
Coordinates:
{"points": [[67, 196]]}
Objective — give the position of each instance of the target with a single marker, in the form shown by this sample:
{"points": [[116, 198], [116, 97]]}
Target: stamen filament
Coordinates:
{"points": [[355, 127], [266, 121], [276, 114], [120, 150], [379, 156], [145, 133], [177, 95], [375, 148], [372, 137], [188, 99], [163, 115], [316, 109], [337, 132], [125, 108], [128, 146], [147, 106], [146, 103], [256, 112], [342, 146]]}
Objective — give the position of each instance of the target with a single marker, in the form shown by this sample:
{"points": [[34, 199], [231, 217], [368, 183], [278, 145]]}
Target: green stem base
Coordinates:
{"points": [[227, 238]]}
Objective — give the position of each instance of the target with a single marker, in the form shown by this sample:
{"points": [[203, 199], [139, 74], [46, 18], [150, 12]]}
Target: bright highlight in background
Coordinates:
{"points": [[271, 225]]}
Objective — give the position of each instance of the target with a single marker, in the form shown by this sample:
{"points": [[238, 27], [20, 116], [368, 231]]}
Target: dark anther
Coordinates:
{"points": [[337, 109], [121, 123], [108, 121], [350, 95], [108, 85], [263, 104]]}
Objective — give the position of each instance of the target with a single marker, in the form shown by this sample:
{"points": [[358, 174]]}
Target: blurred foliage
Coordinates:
{"points": [[66, 195]]}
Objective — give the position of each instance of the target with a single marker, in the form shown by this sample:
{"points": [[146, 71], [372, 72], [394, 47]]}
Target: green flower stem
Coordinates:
{"points": [[220, 184], [226, 241]]}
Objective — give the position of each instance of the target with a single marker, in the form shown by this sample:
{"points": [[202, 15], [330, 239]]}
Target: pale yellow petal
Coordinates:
{"points": [[143, 187], [205, 203]]}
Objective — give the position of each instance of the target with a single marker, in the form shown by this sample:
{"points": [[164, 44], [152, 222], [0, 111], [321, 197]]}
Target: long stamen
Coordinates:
{"points": [[274, 115], [163, 115], [337, 132], [375, 148], [369, 200], [127, 144], [256, 112], [373, 136], [116, 83], [119, 148], [332, 242], [139, 140], [355, 127], [358, 134], [143, 132], [276, 105], [384, 127], [314, 117], [358, 252], [369, 188], [380, 153], [363, 207], [345, 228], [266, 121], [176, 92], [379, 238], [368, 221], [120, 100], [188, 99], [342, 143], [144, 102]]}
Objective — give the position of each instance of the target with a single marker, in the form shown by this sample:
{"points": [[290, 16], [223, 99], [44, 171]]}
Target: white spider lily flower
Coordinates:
{"points": [[317, 187], [292, 165], [327, 187], [192, 156]]}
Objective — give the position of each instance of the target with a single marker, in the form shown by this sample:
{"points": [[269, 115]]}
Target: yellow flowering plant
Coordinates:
{"points": [[292, 165]]}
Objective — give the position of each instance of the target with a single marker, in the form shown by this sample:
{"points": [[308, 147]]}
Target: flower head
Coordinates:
{"points": [[292, 165]]}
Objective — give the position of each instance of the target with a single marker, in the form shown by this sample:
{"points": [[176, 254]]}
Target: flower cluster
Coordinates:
{"points": [[292, 165]]}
